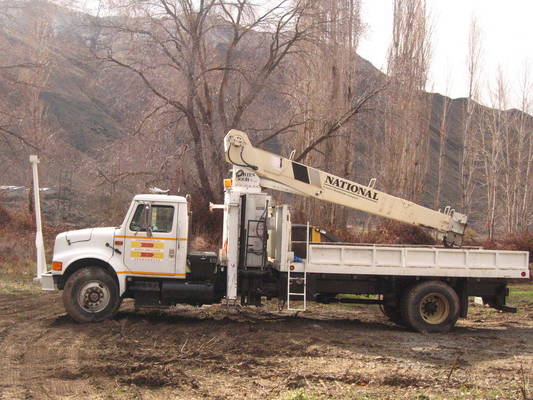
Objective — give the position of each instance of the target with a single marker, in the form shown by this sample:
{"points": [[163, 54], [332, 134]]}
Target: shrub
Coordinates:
{"points": [[517, 241], [391, 232], [5, 218]]}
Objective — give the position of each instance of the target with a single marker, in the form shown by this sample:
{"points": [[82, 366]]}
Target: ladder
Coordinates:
{"points": [[259, 228], [298, 279]]}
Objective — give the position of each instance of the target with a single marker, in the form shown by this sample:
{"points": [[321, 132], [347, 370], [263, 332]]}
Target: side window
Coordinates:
{"points": [[161, 218]]}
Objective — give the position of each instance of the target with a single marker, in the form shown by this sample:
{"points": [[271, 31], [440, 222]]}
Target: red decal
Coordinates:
{"points": [[147, 245], [147, 254]]}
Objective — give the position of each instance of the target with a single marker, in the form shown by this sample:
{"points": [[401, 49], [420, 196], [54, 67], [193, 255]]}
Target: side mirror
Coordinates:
{"points": [[147, 219]]}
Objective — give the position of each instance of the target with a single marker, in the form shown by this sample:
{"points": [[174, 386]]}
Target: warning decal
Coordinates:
{"points": [[144, 250], [153, 245]]}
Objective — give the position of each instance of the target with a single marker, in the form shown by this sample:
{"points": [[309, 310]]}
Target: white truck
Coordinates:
{"points": [[424, 288]]}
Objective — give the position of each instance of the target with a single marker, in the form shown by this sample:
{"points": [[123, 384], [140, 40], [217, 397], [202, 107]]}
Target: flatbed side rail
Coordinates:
{"points": [[417, 261]]}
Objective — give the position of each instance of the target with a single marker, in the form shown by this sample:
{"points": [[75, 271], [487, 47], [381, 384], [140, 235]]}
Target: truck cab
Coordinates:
{"points": [[144, 258], [153, 237]]}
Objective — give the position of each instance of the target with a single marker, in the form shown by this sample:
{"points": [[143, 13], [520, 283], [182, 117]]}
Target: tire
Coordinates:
{"points": [[430, 307], [393, 313], [91, 295]]}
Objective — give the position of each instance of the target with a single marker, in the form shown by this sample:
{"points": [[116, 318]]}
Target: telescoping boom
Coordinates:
{"points": [[283, 174]]}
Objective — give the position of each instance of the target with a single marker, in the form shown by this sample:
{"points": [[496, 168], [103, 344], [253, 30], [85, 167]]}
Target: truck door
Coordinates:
{"points": [[150, 240]]}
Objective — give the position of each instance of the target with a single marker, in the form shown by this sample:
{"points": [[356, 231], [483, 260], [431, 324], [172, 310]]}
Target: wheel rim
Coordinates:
{"points": [[434, 308], [94, 296]]}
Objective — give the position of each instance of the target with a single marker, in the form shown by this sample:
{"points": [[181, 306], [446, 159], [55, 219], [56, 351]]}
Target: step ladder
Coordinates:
{"points": [[298, 279]]}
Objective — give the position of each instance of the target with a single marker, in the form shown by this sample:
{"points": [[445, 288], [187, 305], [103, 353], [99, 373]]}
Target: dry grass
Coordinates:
{"points": [[517, 241], [17, 237]]}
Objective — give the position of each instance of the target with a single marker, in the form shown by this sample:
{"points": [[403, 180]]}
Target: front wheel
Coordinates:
{"points": [[91, 295], [431, 306]]}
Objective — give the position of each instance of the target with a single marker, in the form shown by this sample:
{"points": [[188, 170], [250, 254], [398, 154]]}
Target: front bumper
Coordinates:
{"points": [[47, 282]]}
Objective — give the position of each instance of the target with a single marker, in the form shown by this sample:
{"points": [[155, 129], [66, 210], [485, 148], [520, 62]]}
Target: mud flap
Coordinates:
{"points": [[507, 309], [498, 302]]}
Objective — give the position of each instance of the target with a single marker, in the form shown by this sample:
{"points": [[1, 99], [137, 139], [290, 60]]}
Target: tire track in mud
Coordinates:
{"points": [[30, 350], [15, 339]]}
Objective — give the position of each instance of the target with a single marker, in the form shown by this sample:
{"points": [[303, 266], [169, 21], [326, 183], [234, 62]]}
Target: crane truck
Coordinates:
{"points": [[147, 258]]}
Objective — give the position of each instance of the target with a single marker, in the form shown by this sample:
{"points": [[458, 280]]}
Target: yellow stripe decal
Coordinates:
{"points": [[149, 273], [149, 238]]}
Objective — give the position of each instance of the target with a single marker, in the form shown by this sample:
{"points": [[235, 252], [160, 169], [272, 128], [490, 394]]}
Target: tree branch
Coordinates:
{"points": [[17, 136], [336, 125]]}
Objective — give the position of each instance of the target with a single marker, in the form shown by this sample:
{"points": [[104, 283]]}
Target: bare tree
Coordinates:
{"points": [[517, 159], [24, 73], [327, 95], [525, 144], [443, 135], [491, 150], [407, 109], [207, 61], [34, 125], [470, 146]]}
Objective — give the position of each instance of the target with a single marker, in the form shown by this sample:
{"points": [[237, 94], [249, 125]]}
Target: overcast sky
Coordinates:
{"points": [[507, 40]]}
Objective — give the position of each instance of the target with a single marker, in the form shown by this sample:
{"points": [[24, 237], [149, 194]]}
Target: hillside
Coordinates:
{"points": [[92, 112]]}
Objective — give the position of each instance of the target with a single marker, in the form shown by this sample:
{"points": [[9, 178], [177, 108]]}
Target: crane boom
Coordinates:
{"points": [[281, 173]]}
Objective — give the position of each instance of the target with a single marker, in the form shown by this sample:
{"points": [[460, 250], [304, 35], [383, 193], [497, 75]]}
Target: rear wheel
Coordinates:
{"points": [[91, 295], [431, 306]]}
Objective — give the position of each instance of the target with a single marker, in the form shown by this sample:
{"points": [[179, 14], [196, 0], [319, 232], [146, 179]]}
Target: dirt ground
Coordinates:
{"points": [[216, 352]]}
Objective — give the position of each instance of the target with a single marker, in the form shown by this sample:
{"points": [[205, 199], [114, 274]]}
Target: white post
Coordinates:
{"points": [[231, 237], [39, 242]]}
